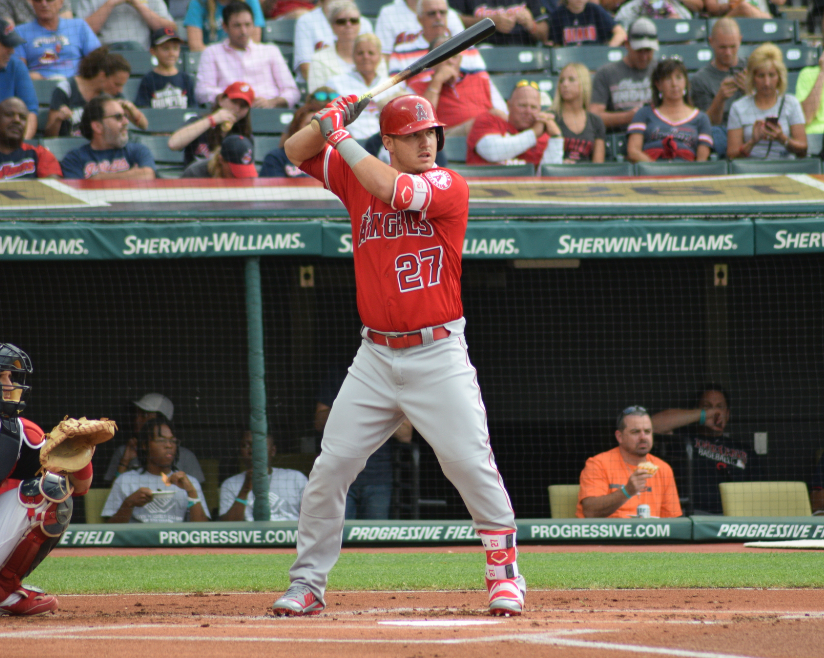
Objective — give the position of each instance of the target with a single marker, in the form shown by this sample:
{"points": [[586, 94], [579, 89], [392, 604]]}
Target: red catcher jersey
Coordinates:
{"points": [[407, 263]]}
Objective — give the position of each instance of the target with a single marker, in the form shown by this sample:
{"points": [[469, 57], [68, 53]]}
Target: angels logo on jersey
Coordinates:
{"points": [[439, 178]]}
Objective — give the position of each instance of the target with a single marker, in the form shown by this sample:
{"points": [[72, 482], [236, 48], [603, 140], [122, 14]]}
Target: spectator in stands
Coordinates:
{"points": [[54, 45], [458, 96], [287, 9], [671, 129], [19, 160], [109, 155], [741, 8], [157, 492], [632, 10], [286, 487], [526, 135], [234, 158], [313, 33], [276, 164], [22, 11], [229, 115], [205, 22], [368, 61], [240, 58], [706, 456], [523, 24], [128, 23], [399, 22], [721, 82], [584, 132], [150, 406], [15, 80], [612, 485], [767, 123], [620, 89], [580, 22], [165, 86], [344, 17], [100, 72], [808, 91]]}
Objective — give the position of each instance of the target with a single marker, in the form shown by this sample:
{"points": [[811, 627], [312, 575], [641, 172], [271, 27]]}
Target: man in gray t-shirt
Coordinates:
{"points": [[121, 21], [621, 88]]}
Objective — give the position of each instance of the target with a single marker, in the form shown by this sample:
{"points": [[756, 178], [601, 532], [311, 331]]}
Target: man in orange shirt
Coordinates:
{"points": [[613, 486]]}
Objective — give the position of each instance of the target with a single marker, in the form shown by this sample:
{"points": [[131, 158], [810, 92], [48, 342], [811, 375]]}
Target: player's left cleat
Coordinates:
{"points": [[33, 602], [297, 602], [506, 598]]}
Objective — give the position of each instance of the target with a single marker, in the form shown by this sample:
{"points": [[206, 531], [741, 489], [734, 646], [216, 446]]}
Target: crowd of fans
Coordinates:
{"points": [[732, 108]]}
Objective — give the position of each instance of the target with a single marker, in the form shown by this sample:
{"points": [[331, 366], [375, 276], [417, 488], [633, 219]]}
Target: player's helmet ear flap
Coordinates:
{"points": [[405, 115], [17, 363]]}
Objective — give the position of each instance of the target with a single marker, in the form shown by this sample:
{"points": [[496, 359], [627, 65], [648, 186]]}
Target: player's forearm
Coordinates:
{"points": [[666, 421], [599, 507]]}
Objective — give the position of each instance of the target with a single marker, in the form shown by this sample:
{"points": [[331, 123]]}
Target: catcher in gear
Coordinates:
{"points": [[35, 494]]}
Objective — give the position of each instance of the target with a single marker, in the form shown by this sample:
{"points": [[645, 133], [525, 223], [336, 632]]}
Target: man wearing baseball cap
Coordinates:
{"points": [[235, 159], [165, 86], [619, 89], [14, 75]]}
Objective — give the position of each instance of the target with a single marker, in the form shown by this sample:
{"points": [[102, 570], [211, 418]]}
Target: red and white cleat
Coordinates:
{"points": [[298, 601], [33, 602], [506, 598]]}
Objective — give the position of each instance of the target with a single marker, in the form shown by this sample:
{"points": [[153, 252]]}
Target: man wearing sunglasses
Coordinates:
{"points": [[615, 483], [109, 155]]}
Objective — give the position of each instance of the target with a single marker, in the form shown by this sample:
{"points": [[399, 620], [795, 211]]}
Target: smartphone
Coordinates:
{"points": [[773, 121]]}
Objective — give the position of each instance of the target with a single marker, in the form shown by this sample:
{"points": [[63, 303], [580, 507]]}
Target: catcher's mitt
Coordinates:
{"points": [[70, 445]]}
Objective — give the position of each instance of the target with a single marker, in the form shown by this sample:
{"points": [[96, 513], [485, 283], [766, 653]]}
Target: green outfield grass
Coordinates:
{"points": [[427, 571]]}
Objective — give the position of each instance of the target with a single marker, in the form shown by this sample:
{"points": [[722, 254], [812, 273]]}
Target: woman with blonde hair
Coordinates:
{"points": [[767, 123], [584, 133]]}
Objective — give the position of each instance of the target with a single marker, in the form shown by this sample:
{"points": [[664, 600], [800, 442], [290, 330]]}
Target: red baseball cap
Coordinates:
{"points": [[240, 90], [237, 151]]}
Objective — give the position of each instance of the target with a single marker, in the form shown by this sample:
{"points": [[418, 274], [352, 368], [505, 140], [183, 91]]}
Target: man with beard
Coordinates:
{"points": [[17, 159], [109, 155], [616, 482]]}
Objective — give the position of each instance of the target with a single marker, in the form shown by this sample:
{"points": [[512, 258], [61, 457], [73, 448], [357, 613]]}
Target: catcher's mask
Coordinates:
{"points": [[17, 363]]}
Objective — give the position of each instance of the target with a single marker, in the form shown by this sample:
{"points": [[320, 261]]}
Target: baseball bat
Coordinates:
{"points": [[457, 44]]}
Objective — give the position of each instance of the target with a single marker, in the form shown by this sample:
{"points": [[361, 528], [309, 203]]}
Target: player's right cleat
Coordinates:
{"points": [[33, 602], [298, 601], [506, 598]]}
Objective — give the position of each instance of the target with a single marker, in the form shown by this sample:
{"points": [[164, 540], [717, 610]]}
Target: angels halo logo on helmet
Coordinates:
{"points": [[405, 115], [18, 363]]}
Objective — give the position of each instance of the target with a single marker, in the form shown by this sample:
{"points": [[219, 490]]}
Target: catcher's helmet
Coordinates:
{"points": [[17, 362], [405, 115]]}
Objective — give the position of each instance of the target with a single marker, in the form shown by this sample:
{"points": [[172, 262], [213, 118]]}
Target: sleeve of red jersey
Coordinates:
{"points": [[47, 164], [450, 194]]}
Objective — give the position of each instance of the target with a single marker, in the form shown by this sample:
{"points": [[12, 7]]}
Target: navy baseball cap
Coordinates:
{"points": [[9, 36], [164, 34], [238, 152]]}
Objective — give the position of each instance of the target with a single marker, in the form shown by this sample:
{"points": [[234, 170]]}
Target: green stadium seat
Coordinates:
{"points": [[799, 55], [672, 30], [498, 171], [169, 163], [139, 60], [694, 55], [371, 8], [792, 80], [765, 499], [587, 169], [281, 30], [271, 121], [59, 146], [505, 59], [455, 149], [264, 144], [616, 146], [709, 168], [130, 88], [167, 120], [814, 145], [593, 57], [191, 60], [778, 167], [505, 83], [761, 30], [44, 90]]}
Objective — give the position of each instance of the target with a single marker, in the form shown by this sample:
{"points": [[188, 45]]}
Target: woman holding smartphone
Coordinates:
{"points": [[767, 123]]}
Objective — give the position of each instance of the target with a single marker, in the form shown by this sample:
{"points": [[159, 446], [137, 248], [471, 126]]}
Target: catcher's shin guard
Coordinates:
{"points": [[48, 520], [505, 585]]}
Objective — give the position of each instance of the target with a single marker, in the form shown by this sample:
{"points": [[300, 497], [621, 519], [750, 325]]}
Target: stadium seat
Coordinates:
{"points": [[169, 163], [505, 59], [799, 55], [792, 80], [709, 168], [593, 57], [167, 120], [280, 30], [44, 90], [371, 8], [563, 500], [694, 55], [271, 121], [59, 146], [765, 499], [505, 83], [588, 169], [455, 149], [761, 30], [264, 144], [498, 171], [616, 147], [671, 30], [139, 60], [778, 167], [211, 483], [130, 88], [814, 145], [93, 501], [190, 62]]}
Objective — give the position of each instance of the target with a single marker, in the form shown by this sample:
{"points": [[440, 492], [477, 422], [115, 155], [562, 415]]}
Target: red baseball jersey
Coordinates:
{"points": [[459, 102], [407, 263], [489, 124], [29, 162]]}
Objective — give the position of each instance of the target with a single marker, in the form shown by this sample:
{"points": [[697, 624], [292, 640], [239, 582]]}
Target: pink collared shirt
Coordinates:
{"points": [[261, 65]]}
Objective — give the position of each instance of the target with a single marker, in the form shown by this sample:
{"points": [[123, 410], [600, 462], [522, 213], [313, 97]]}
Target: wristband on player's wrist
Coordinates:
{"points": [[351, 151]]}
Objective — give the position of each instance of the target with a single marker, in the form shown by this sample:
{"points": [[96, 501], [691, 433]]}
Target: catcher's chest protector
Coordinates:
{"points": [[11, 437]]}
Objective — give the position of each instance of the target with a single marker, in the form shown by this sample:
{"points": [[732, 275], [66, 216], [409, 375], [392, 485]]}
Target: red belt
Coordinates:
{"points": [[401, 341]]}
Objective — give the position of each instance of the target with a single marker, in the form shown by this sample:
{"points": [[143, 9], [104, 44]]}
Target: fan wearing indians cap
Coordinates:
{"points": [[234, 159]]}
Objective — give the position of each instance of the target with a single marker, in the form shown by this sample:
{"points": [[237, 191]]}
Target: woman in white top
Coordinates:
{"points": [[344, 17], [767, 123]]}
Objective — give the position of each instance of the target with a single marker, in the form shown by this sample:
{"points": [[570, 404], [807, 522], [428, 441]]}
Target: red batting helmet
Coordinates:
{"points": [[405, 115]]}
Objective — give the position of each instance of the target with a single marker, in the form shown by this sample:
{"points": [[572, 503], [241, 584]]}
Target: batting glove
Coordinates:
{"points": [[350, 107], [329, 120]]}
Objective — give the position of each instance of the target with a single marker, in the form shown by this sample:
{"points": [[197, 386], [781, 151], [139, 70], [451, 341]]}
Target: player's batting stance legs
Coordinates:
{"points": [[408, 227]]}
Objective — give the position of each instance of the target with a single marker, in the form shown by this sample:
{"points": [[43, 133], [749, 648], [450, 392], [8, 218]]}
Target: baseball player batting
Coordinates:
{"points": [[408, 225]]}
